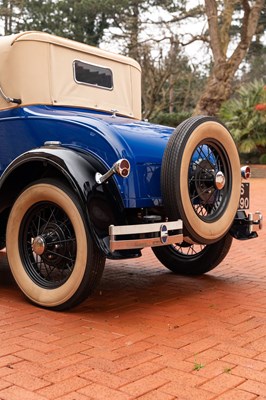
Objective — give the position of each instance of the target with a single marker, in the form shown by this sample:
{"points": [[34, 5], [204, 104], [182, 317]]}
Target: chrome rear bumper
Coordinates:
{"points": [[138, 236], [145, 235]]}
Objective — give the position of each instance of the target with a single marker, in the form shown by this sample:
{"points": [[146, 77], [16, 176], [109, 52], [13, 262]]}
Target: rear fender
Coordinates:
{"points": [[102, 204]]}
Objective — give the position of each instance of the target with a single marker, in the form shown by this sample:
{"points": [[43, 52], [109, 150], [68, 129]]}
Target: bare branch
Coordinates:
{"points": [[203, 38], [192, 13]]}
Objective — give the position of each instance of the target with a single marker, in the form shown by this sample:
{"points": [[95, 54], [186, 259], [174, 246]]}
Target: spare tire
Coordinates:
{"points": [[201, 178]]}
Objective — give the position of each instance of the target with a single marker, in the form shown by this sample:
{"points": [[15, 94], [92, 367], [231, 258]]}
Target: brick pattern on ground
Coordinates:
{"points": [[145, 334]]}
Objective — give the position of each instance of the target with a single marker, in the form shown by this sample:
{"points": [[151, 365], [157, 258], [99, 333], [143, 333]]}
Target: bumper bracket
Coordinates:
{"points": [[246, 226]]}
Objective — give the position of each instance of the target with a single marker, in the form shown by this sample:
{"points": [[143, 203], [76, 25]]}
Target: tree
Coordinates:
{"points": [[9, 10], [170, 84], [158, 80], [81, 20], [39, 15], [255, 62], [220, 20], [163, 64], [127, 21]]}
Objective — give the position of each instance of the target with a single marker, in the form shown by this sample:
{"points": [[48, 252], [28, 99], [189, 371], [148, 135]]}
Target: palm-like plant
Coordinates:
{"points": [[245, 116]]}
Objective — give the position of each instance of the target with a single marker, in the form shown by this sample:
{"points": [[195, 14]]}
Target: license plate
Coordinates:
{"points": [[244, 196]]}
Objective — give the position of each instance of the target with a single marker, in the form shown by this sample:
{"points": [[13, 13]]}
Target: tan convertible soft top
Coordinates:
{"points": [[37, 68]]}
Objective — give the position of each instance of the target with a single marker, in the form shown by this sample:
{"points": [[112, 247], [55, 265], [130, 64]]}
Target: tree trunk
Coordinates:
{"points": [[172, 62], [217, 90], [219, 85], [171, 94], [133, 28]]}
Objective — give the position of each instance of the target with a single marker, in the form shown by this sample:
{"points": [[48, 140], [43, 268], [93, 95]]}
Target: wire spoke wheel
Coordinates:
{"points": [[209, 181], [193, 259], [201, 179], [201, 186], [187, 249], [49, 248]]}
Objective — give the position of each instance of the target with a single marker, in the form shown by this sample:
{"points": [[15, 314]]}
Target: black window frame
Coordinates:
{"points": [[95, 85]]}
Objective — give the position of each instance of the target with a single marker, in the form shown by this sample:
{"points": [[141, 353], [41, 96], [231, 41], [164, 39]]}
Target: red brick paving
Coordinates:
{"points": [[146, 334]]}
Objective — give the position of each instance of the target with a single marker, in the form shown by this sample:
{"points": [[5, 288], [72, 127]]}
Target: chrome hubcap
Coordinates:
{"points": [[38, 245], [219, 180]]}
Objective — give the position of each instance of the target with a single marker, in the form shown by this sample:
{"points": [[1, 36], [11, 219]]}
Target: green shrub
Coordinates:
{"points": [[172, 119], [262, 159], [245, 116]]}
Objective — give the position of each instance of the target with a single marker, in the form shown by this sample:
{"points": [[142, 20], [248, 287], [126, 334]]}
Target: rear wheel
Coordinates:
{"points": [[201, 179], [50, 251], [193, 259]]}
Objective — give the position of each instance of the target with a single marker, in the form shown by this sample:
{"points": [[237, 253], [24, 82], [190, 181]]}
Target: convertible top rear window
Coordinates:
{"points": [[93, 75]]}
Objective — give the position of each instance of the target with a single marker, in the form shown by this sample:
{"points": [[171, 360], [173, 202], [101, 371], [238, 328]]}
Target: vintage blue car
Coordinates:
{"points": [[84, 179]]}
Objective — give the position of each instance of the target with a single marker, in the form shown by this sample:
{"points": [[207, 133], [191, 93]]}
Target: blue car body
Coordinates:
{"points": [[105, 137]]}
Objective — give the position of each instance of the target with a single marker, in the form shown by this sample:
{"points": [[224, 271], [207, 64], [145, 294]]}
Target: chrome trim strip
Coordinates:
{"points": [[140, 243], [142, 229]]}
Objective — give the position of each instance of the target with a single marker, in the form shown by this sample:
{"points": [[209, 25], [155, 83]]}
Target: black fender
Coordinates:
{"points": [[102, 204]]}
